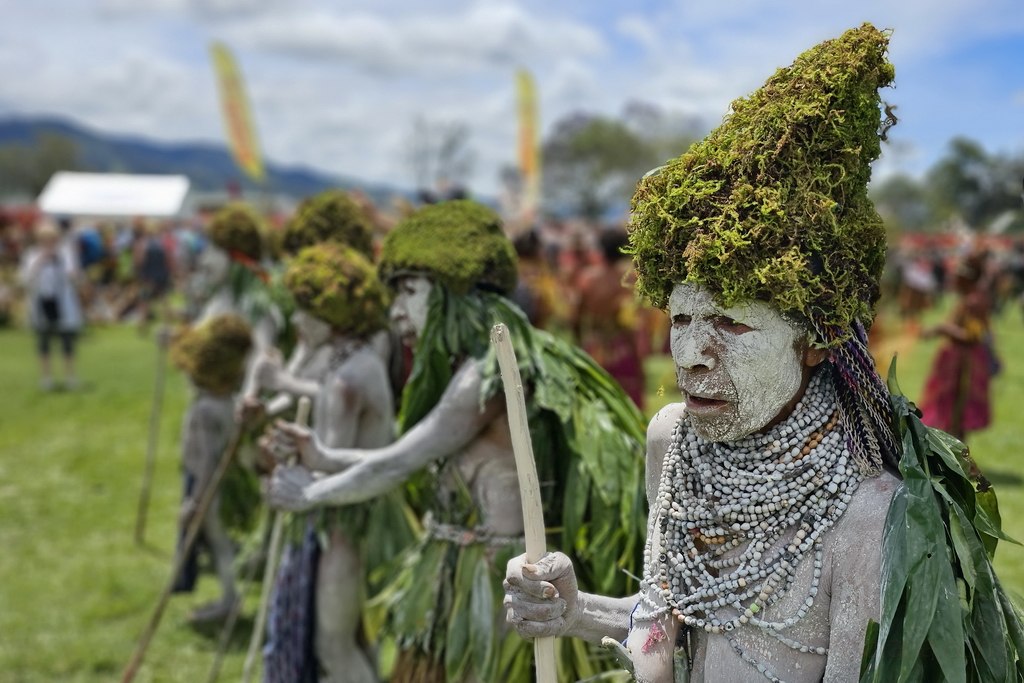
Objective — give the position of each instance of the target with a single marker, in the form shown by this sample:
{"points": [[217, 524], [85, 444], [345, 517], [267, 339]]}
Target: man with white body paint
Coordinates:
{"points": [[766, 486], [300, 376], [341, 306], [230, 280], [449, 266], [742, 371], [332, 217], [213, 356]]}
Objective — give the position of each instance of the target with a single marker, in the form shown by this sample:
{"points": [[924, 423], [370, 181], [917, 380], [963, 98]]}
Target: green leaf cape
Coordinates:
{"points": [[588, 442], [944, 614]]}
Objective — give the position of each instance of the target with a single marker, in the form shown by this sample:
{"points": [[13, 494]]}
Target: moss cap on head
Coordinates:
{"points": [[773, 204], [338, 285], [331, 216], [237, 229], [459, 243], [213, 353]]}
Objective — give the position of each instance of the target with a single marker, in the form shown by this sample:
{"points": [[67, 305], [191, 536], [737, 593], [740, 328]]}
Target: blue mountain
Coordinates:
{"points": [[209, 167]]}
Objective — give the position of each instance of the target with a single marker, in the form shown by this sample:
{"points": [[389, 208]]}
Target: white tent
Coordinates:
{"points": [[113, 194]]}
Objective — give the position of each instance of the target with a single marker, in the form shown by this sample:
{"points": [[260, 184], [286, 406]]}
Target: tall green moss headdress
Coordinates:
{"points": [[459, 243], [213, 353], [773, 204], [331, 216], [237, 230], [338, 285]]}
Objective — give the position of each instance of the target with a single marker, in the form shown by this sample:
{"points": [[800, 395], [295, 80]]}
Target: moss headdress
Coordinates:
{"points": [[338, 285], [331, 216], [459, 243], [213, 353], [773, 204], [237, 230]]}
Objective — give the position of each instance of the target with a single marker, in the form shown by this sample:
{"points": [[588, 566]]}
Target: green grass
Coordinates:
{"points": [[75, 591]]}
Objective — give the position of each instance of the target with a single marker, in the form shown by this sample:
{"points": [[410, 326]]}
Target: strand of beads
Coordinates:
{"points": [[734, 520]]}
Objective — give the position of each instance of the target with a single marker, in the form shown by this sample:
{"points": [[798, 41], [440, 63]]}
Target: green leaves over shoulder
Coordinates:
{"points": [[944, 614]]}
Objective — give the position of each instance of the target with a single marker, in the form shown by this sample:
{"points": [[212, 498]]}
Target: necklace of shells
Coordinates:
{"points": [[720, 561]]}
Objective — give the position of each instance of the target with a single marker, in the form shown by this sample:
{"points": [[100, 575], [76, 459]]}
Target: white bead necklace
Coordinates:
{"points": [[717, 497]]}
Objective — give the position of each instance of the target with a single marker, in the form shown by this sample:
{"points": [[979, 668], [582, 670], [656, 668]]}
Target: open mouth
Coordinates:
{"points": [[701, 405]]}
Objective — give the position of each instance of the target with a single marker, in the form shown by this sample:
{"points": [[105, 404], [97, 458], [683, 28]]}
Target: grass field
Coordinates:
{"points": [[75, 591]]}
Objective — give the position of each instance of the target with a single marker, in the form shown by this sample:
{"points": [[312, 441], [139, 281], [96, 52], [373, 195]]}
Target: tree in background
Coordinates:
{"points": [[967, 183], [440, 154], [904, 205], [592, 162]]}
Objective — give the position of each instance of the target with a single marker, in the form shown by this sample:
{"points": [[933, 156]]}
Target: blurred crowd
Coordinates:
{"points": [[923, 269], [574, 277], [575, 280]]}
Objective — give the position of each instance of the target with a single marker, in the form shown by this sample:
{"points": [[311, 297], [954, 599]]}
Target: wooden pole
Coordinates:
{"points": [[529, 484], [270, 571], [191, 533], [229, 625], [154, 430]]}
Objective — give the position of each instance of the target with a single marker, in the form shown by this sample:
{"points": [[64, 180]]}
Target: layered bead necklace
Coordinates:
{"points": [[718, 558]]}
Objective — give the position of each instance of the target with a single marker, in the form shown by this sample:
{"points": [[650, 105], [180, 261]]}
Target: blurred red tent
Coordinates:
{"points": [[113, 194]]}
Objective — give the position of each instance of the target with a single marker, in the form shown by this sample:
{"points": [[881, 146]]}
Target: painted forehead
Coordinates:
{"points": [[415, 281], [418, 282], [696, 301]]}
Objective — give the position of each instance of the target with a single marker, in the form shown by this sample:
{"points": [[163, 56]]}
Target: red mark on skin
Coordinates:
{"points": [[656, 636]]}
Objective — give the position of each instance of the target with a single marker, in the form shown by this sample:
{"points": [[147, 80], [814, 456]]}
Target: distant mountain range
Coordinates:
{"points": [[209, 167]]}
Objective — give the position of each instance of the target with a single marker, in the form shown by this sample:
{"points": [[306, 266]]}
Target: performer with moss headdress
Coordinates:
{"points": [[329, 217], [450, 266], [232, 278], [781, 543], [339, 300], [213, 356]]}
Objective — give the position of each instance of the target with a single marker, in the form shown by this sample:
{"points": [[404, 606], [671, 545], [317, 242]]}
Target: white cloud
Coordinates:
{"points": [[639, 30], [214, 8], [499, 34], [339, 88]]}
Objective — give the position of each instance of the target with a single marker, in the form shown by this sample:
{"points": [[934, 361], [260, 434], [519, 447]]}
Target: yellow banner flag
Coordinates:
{"points": [[529, 146], [237, 115]]}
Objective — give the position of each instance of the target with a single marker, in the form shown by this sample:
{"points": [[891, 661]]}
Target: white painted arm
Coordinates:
{"points": [[542, 600], [601, 616], [368, 473], [291, 384]]}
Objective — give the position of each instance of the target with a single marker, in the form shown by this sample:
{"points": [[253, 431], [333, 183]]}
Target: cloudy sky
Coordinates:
{"points": [[337, 85]]}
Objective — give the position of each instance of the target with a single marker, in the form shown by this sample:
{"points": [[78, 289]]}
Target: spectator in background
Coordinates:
{"points": [[956, 395], [153, 268], [605, 321], [49, 272], [537, 290], [917, 288]]}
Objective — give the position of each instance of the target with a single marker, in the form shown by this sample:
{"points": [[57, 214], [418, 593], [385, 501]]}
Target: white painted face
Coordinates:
{"points": [[211, 270], [737, 367], [409, 307], [310, 329]]}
